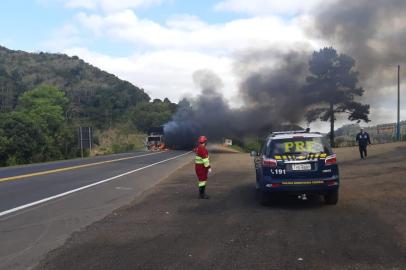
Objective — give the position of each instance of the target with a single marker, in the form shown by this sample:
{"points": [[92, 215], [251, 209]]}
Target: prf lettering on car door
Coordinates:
{"points": [[299, 146]]}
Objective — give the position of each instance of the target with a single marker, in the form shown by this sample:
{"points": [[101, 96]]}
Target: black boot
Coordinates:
{"points": [[202, 193]]}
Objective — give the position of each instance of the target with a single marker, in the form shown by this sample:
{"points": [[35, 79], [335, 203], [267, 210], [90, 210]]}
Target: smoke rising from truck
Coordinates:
{"points": [[372, 32], [270, 94], [272, 80]]}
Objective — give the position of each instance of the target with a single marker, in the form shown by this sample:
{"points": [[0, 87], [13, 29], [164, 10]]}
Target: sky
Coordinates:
{"points": [[159, 44]]}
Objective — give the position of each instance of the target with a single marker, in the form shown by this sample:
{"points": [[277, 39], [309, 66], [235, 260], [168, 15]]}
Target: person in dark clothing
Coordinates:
{"points": [[363, 140]]}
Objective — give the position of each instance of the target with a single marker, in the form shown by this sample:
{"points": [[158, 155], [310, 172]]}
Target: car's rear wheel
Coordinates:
{"points": [[331, 197]]}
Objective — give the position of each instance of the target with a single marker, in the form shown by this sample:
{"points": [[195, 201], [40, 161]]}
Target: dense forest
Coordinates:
{"points": [[44, 98]]}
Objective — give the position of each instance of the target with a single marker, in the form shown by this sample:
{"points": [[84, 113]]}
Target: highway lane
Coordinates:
{"points": [[27, 234], [6, 172], [27, 190]]}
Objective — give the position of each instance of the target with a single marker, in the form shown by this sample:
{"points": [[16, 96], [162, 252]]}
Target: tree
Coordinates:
{"points": [[21, 140], [44, 104], [37, 131], [332, 87], [152, 114]]}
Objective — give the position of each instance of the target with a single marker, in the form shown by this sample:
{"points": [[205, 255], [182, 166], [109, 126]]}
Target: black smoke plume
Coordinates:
{"points": [[271, 95], [373, 32], [209, 114]]}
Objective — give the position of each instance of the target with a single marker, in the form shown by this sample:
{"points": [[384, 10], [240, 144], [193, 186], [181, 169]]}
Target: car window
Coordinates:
{"points": [[264, 149], [298, 146]]}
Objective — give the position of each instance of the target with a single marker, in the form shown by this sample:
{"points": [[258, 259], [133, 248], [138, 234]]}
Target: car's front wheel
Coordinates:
{"points": [[331, 197]]}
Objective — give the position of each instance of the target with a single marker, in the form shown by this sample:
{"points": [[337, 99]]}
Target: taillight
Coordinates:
{"points": [[330, 160], [332, 183], [269, 162], [274, 185]]}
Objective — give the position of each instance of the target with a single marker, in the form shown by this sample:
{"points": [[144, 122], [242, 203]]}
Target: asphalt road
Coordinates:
{"points": [[169, 228], [42, 204]]}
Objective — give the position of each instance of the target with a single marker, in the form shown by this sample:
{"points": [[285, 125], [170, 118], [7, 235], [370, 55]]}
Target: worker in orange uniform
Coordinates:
{"points": [[202, 166]]}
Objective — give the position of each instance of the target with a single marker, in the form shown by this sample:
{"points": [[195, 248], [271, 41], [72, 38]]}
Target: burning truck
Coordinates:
{"points": [[155, 141]]}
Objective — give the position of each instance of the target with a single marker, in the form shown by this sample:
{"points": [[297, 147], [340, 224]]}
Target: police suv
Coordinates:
{"points": [[299, 163]]}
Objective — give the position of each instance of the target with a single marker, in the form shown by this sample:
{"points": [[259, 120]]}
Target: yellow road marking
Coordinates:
{"points": [[11, 178]]}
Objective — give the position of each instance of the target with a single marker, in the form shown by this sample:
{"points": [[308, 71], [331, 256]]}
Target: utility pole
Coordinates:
{"points": [[90, 138], [85, 139], [81, 142], [398, 122]]}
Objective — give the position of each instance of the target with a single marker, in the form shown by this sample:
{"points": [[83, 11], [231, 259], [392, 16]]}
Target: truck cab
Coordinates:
{"points": [[155, 140]]}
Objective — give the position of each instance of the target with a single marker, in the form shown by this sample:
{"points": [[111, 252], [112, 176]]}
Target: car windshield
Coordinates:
{"points": [[298, 146]]}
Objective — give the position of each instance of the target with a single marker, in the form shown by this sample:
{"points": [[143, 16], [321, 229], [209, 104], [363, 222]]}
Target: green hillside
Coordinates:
{"points": [[93, 94], [44, 98]]}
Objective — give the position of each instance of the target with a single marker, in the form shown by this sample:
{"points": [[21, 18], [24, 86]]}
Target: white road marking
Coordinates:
{"points": [[63, 169], [85, 187]]}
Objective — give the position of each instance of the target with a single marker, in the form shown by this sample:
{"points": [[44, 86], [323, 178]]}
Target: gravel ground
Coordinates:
{"points": [[169, 228]]}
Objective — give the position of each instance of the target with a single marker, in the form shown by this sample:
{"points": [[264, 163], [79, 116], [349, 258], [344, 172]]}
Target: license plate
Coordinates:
{"points": [[301, 167]]}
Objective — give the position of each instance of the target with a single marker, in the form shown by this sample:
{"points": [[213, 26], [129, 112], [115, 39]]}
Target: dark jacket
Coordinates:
{"points": [[363, 139]]}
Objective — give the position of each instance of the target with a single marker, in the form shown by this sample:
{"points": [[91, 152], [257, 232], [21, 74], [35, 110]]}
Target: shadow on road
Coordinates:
{"points": [[250, 198], [292, 202]]}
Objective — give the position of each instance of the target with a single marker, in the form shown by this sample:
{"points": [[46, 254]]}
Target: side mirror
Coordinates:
{"points": [[253, 154]]}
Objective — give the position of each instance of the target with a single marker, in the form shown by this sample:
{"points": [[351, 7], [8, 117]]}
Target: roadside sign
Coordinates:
{"points": [[386, 128], [85, 138]]}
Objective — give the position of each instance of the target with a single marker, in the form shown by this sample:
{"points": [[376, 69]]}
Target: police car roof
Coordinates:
{"points": [[293, 135]]}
